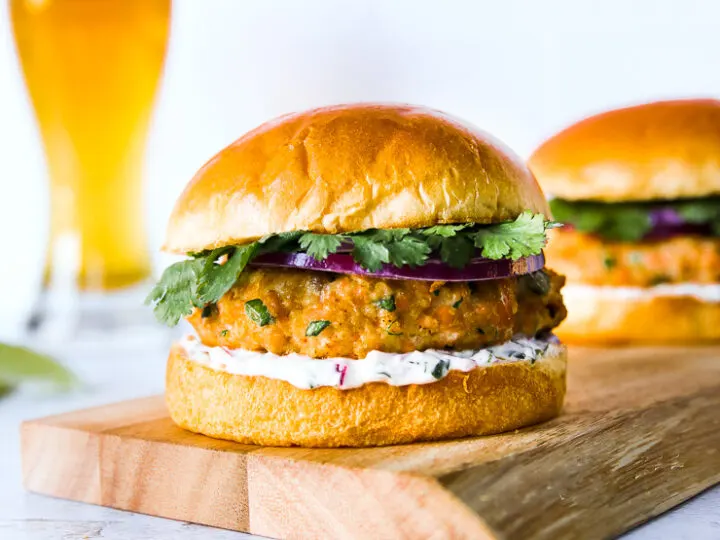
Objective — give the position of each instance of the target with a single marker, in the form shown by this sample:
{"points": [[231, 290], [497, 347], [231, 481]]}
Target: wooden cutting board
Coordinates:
{"points": [[640, 434]]}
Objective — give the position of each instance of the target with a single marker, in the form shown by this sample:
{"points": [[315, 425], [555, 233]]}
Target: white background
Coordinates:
{"points": [[520, 69]]}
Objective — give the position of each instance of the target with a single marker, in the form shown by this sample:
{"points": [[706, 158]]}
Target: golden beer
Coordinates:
{"points": [[92, 69]]}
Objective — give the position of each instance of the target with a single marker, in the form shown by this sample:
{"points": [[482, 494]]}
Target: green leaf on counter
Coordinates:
{"points": [[18, 364]]}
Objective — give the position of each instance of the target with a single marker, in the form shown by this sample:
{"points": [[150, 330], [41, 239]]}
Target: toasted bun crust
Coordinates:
{"points": [[601, 318], [258, 410], [662, 150], [349, 168]]}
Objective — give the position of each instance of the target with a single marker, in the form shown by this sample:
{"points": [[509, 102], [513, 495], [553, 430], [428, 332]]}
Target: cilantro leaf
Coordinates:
{"points": [[700, 211], [384, 235], [441, 368], [386, 302], [175, 295], [395, 246], [409, 251], [627, 224], [283, 242], [457, 251], [319, 246], [258, 312], [445, 231], [217, 279], [369, 254], [315, 327], [515, 239]]}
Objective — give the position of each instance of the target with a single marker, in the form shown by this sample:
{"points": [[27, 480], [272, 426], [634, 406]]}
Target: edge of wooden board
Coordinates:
{"points": [[593, 488], [233, 486]]}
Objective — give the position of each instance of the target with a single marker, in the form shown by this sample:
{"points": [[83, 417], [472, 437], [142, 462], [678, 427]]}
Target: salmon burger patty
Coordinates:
{"points": [[322, 314], [591, 260]]}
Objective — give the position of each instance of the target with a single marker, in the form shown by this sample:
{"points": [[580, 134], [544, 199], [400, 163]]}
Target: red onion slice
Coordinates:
{"points": [[667, 222], [433, 270], [665, 216]]}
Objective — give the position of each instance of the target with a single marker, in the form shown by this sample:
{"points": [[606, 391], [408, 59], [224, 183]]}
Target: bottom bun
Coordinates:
{"points": [[259, 410], [599, 315]]}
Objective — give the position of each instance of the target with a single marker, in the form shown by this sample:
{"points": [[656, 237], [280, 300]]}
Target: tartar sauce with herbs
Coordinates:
{"points": [[417, 367]]}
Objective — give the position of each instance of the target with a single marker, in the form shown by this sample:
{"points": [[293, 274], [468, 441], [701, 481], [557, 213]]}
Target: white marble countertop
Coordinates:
{"points": [[118, 374]]}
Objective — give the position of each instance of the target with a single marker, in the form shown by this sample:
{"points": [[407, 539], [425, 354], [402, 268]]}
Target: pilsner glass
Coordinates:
{"points": [[92, 68]]}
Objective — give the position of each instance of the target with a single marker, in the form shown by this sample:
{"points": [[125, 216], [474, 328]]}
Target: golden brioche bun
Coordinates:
{"points": [[662, 150], [350, 168], [597, 315], [259, 410]]}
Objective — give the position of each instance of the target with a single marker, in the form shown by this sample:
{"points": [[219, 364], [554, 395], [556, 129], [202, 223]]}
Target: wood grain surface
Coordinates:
{"points": [[640, 433]]}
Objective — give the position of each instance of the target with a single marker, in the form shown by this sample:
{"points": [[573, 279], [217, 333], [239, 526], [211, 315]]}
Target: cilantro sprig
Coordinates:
{"points": [[632, 221], [455, 244], [205, 277]]}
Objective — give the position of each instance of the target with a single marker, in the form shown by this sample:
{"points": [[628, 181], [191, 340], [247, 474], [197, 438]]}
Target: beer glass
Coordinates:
{"points": [[92, 69]]}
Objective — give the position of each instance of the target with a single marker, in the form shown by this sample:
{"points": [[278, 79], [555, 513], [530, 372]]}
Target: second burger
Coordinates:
{"points": [[639, 191]]}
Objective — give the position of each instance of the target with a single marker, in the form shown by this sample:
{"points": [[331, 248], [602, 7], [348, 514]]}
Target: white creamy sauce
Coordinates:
{"points": [[706, 293], [417, 367]]}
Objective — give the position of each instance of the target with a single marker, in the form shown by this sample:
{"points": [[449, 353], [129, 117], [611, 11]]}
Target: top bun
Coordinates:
{"points": [[349, 168], [662, 150]]}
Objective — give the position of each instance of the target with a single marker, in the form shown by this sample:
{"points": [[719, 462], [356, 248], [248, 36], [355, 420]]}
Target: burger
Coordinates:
{"points": [[638, 189], [361, 275]]}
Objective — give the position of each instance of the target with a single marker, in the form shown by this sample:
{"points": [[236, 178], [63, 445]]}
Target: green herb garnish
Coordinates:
{"points": [[702, 211], [609, 263], [457, 303], [315, 327], [319, 246], [175, 295], [387, 303], [217, 279], [441, 369], [520, 238], [617, 221], [225, 332], [258, 312], [631, 221], [455, 244]]}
